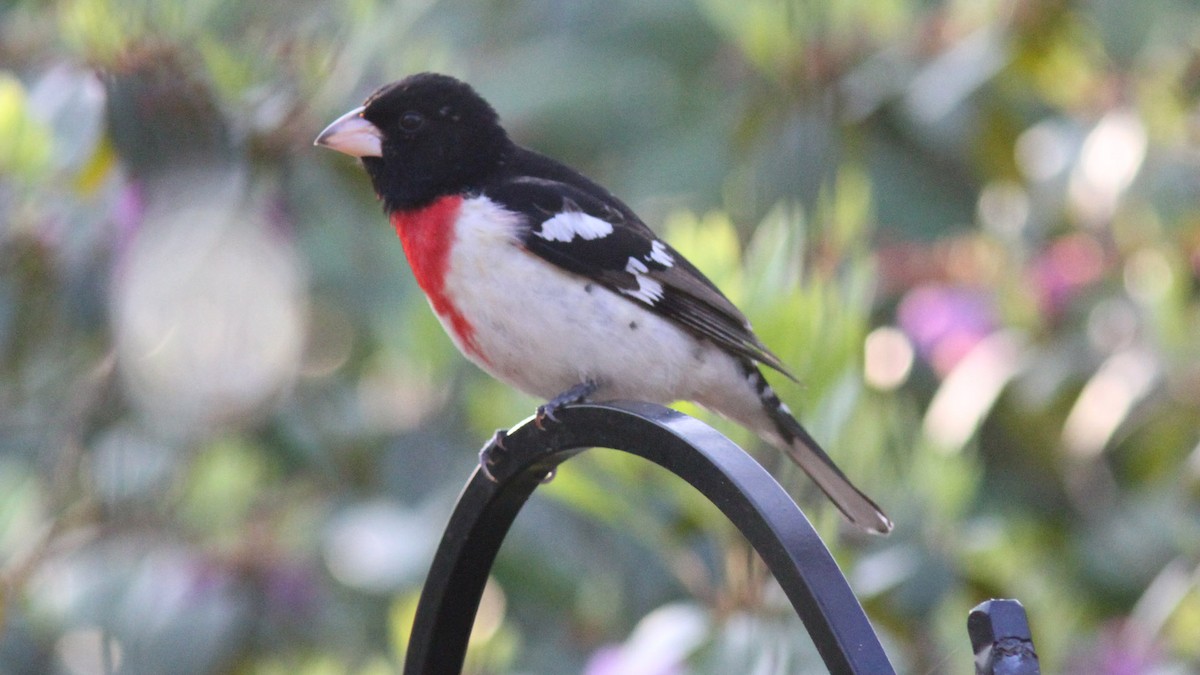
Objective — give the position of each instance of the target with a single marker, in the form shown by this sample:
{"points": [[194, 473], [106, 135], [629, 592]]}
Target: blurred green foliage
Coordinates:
{"points": [[231, 430]]}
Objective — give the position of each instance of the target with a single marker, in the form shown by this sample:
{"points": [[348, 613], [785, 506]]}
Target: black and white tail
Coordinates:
{"points": [[804, 450]]}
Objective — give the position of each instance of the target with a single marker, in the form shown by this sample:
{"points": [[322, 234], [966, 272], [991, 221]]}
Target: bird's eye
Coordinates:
{"points": [[411, 121]]}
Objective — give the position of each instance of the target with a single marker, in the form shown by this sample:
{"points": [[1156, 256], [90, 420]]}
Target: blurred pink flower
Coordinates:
{"points": [[945, 322], [127, 212], [291, 590], [1119, 649], [613, 660], [1063, 269], [659, 645]]}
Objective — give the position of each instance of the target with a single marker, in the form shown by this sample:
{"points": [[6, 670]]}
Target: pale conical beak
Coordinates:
{"points": [[352, 135]]}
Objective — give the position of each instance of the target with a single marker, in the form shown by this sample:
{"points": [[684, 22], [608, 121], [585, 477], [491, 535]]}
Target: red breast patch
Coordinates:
{"points": [[428, 235]]}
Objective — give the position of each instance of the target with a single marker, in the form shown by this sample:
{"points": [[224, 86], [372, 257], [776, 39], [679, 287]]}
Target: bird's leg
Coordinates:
{"points": [[576, 394], [487, 456]]}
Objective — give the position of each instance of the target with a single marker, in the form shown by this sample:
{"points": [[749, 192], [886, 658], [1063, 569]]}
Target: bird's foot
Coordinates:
{"points": [[493, 454], [488, 455], [576, 394]]}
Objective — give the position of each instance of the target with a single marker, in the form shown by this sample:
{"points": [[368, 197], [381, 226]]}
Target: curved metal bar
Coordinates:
{"points": [[692, 450]]}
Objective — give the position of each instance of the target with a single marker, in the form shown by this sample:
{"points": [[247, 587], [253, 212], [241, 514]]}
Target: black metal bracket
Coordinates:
{"points": [[690, 449], [1001, 639]]}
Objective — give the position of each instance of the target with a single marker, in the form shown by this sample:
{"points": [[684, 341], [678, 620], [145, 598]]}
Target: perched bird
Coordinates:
{"points": [[551, 284]]}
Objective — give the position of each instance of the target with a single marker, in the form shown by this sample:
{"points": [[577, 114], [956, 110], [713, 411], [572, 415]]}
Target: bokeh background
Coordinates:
{"points": [[231, 430]]}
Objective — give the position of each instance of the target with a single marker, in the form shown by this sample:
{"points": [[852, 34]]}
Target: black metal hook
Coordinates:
{"points": [[744, 491]]}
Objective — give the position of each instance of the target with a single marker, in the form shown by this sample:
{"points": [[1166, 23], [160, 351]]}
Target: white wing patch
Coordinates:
{"points": [[649, 290], [571, 224], [658, 253]]}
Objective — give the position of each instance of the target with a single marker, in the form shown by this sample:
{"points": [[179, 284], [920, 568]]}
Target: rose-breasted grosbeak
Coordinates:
{"points": [[551, 284]]}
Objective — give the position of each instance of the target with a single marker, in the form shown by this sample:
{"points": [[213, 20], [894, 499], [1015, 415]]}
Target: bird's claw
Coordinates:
{"points": [[576, 394], [487, 456], [545, 412]]}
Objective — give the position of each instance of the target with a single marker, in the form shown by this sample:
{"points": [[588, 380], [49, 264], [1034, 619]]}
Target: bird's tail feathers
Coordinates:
{"points": [[804, 450]]}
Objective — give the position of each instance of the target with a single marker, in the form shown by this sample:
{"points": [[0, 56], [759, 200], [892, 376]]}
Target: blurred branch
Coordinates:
{"points": [[67, 505]]}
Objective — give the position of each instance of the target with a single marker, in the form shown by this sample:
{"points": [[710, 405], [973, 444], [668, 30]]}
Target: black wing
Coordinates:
{"points": [[627, 258]]}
